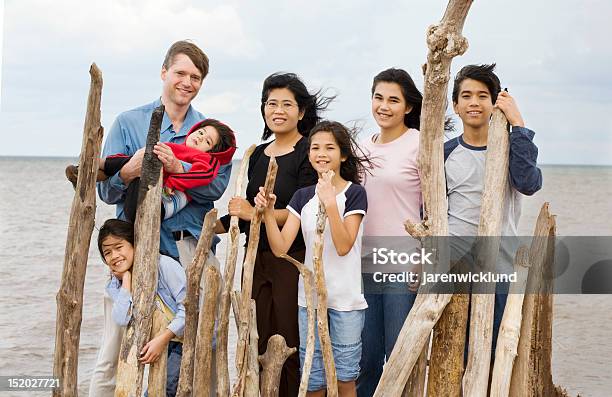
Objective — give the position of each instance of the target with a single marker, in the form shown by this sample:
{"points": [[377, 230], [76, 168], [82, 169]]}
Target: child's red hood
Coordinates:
{"points": [[223, 157]]}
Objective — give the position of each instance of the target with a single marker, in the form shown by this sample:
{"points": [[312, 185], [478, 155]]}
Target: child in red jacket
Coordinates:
{"points": [[208, 145]]}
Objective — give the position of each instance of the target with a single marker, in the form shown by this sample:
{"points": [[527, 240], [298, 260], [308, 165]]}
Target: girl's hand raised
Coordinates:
{"points": [[266, 203], [325, 189]]}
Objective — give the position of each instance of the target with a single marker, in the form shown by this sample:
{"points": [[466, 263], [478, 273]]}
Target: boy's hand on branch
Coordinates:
{"points": [[241, 208], [266, 203], [171, 164], [506, 104], [325, 189]]}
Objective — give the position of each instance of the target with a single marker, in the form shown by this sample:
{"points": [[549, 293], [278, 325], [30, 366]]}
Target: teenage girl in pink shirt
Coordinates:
{"points": [[394, 196]]}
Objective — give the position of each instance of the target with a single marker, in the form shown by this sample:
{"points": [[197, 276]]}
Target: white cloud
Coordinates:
{"points": [[123, 27]]}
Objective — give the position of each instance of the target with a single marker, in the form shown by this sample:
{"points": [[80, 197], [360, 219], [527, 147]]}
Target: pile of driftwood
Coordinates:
{"points": [[420, 363]]}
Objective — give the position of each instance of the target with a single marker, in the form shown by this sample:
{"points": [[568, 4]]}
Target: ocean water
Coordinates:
{"points": [[36, 201]]}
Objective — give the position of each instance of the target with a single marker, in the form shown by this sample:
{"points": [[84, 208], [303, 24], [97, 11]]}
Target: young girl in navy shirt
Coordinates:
{"points": [[333, 155]]}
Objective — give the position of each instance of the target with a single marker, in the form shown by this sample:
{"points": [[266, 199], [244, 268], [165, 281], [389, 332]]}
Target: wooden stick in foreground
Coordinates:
{"points": [[322, 323], [510, 329], [247, 284], [447, 351], [272, 362], [445, 42], [158, 371], [223, 384], [251, 384], [310, 339], [192, 301], [130, 371], [206, 330], [415, 387], [522, 382], [70, 295], [476, 377]]}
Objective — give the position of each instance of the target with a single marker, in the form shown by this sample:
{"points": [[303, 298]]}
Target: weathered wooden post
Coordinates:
{"points": [[206, 329], [272, 362], [158, 371], [524, 376], [445, 42], [476, 377], [146, 263], [70, 295], [322, 323], [233, 233], [310, 338], [251, 383], [247, 285], [192, 301], [510, 329]]}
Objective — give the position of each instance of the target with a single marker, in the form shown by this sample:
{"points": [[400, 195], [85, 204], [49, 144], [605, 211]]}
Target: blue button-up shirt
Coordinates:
{"points": [[171, 288], [128, 134]]}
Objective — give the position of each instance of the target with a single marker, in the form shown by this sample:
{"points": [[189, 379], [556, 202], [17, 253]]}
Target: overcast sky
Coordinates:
{"points": [[555, 57]]}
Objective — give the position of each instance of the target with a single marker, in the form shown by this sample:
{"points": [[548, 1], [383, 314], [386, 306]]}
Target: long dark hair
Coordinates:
{"points": [[357, 163], [118, 228], [310, 104], [412, 95]]}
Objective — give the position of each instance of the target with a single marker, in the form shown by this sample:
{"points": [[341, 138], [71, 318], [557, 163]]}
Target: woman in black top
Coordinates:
{"points": [[289, 112]]}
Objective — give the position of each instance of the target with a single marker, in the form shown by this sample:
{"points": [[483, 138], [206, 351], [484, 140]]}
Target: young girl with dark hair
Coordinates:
{"points": [[289, 111], [116, 245], [394, 196], [339, 166]]}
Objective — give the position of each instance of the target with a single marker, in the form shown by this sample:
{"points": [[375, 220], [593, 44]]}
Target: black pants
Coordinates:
{"points": [[112, 165]]}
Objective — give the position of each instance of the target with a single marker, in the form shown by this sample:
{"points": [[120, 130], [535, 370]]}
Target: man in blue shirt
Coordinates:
{"points": [[184, 68]]}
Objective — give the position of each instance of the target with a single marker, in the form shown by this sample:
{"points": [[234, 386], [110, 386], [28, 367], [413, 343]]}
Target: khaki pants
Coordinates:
{"points": [[103, 378]]}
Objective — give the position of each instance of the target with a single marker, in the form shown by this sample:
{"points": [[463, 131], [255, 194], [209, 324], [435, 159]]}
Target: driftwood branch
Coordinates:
{"points": [[158, 371], [247, 284], [236, 307], [308, 277], [206, 329], [223, 384], [415, 387], [70, 295], [130, 371], [476, 377], [510, 329], [322, 323], [272, 362], [192, 301], [524, 378], [447, 349], [251, 384], [445, 42]]}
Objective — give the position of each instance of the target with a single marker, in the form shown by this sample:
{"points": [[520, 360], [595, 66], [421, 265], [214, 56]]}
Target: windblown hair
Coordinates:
{"points": [[311, 104], [357, 163], [482, 73]]}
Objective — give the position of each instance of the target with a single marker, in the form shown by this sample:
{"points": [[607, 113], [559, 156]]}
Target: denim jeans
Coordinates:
{"points": [[388, 307]]}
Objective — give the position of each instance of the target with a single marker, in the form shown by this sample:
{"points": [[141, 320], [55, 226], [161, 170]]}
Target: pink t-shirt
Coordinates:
{"points": [[394, 188]]}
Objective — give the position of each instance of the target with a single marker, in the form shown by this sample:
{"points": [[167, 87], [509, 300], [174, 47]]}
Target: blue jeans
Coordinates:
{"points": [[387, 310], [175, 353], [345, 334]]}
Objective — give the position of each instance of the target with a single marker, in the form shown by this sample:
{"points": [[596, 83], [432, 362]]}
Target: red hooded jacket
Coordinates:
{"points": [[204, 165]]}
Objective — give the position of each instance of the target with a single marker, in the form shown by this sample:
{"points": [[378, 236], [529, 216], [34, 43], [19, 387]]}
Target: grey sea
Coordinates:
{"points": [[34, 212]]}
